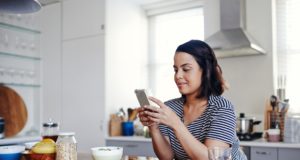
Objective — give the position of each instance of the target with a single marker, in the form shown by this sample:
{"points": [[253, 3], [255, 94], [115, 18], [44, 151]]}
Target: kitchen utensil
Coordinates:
{"points": [[13, 110], [273, 102], [245, 125]]}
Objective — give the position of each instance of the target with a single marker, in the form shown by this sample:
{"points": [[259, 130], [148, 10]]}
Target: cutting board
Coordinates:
{"points": [[13, 110]]}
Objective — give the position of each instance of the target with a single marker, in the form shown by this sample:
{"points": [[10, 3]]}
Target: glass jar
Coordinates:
{"points": [[50, 130], [66, 146]]}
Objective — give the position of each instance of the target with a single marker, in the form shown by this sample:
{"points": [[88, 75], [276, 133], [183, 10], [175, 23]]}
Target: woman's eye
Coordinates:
{"points": [[186, 69]]}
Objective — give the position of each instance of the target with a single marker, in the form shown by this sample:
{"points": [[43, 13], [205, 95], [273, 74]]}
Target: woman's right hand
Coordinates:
{"points": [[144, 117]]}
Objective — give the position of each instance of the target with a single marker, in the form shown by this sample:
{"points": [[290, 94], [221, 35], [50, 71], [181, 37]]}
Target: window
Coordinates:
{"points": [[167, 31], [288, 50]]}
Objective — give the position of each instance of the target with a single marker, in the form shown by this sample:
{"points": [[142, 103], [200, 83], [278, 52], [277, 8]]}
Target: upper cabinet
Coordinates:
{"points": [[82, 18]]}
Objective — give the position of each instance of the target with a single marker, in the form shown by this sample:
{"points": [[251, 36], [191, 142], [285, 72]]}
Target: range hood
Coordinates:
{"points": [[233, 39]]}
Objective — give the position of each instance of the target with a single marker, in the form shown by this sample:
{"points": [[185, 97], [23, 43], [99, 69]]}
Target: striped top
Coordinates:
{"points": [[218, 122]]}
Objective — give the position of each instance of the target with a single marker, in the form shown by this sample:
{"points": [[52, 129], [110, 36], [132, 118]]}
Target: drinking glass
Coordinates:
{"points": [[219, 153]]}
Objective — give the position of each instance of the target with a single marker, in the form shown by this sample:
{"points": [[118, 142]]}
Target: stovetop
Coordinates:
{"points": [[249, 136]]}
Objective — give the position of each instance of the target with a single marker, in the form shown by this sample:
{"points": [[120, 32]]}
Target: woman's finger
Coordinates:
{"points": [[157, 101]]}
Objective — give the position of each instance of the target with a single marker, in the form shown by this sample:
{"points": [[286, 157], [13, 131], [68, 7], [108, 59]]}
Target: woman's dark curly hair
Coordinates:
{"points": [[212, 82]]}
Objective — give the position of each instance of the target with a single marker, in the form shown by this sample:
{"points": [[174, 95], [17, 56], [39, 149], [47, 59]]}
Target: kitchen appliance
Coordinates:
{"points": [[20, 6], [245, 128], [232, 39]]}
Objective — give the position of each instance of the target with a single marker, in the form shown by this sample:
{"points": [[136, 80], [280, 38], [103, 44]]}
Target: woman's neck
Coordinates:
{"points": [[192, 101]]}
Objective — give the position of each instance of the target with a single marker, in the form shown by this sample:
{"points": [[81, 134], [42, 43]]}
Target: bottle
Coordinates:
{"points": [[50, 130], [66, 146]]}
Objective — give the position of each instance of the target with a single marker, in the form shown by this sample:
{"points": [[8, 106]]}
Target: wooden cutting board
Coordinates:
{"points": [[13, 110]]}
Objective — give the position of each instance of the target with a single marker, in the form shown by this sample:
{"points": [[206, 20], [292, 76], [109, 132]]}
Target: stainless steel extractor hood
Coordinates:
{"points": [[233, 39]]}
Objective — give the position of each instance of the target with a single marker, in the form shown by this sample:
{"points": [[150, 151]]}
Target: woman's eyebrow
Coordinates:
{"points": [[183, 65]]}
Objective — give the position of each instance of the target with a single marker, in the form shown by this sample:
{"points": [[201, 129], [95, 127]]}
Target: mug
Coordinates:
{"points": [[127, 128]]}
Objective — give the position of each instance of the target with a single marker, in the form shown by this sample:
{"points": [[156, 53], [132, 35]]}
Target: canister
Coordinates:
{"points": [[66, 146], [50, 130]]}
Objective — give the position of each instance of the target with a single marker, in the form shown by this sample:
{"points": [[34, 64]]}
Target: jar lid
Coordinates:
{"points": [[66, 134], [50, 124]]}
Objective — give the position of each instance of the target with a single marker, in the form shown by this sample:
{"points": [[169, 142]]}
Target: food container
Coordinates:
{"points": [[107, 153], [50, 130], [13, 152], [273, 135], [66, 146]]}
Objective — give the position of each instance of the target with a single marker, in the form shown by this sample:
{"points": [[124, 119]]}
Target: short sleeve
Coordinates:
{"points": [[163, 129], [223, 123]]}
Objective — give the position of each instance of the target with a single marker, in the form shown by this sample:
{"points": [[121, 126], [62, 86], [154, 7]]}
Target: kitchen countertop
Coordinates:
{"points": [[19, 139], [255, 143]]}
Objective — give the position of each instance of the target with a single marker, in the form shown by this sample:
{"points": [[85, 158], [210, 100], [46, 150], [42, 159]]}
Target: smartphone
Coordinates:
{"points": [[142, 97]]}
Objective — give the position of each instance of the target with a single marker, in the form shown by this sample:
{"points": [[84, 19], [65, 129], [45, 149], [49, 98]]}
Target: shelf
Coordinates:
{"points": [[18, 28], [21, 85], [20, 56]]}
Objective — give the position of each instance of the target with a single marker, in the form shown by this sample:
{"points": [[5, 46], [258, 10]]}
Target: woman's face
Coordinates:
{"points": [[187, 74]]}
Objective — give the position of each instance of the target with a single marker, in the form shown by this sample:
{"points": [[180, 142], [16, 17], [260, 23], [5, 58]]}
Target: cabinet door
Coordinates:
{"points": [[83, 18], [133, 148], [288, 153], [263, 153], [83, 90]]}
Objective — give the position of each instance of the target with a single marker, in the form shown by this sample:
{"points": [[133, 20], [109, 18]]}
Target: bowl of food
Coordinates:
{"points": [[107, 153], [13, 152], [43, 150]]}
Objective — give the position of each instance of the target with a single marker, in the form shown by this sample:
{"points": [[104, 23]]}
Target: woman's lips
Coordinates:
{"points": [[180, 85]]}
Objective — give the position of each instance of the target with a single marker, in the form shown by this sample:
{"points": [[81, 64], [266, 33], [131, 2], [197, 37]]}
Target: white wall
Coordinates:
{"points": [[250, 77], [125, 48], [51, 57]]}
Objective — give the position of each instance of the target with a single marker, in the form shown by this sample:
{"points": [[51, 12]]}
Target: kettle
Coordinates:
{"points": [[245, 125]]}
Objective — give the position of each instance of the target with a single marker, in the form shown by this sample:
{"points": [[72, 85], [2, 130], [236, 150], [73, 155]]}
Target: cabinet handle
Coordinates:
{"points": [[262, 152], [131, 146]]}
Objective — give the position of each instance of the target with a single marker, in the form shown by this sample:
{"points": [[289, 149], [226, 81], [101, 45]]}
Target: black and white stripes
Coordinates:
{"points": [[217, 122]]}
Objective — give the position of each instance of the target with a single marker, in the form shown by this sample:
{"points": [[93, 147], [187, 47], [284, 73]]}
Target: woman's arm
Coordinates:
{"points": [[160, 143], [194, 148]]}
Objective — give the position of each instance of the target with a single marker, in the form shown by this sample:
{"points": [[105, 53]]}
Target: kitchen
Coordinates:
{"points": [[83, 47]]}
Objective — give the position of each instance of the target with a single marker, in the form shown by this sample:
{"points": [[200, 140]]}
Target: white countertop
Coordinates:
{"points": [[19, 140], [264, 143], [256, 143]]}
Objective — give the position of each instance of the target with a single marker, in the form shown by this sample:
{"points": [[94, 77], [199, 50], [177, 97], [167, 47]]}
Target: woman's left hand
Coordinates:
{"points": [[163, 115]]}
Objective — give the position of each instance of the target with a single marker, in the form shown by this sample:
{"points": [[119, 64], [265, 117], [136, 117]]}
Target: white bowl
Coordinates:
{"points": [[107, 153]]}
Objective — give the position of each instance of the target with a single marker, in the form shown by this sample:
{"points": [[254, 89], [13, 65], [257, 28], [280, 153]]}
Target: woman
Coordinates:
{"points": [[185, 127]]}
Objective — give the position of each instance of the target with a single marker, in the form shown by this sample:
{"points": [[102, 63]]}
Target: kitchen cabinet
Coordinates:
{"points": [[83, 19], [263, 153], [21, 63], [134, 146], [76, 59], [266, 153]]}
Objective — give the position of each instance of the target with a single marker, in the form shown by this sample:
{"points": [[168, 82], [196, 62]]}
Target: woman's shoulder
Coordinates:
{"points": [[174, 102], [220, 102]]}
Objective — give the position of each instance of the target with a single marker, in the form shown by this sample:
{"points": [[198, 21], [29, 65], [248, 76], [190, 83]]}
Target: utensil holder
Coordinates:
{"points": [[279, 118]]}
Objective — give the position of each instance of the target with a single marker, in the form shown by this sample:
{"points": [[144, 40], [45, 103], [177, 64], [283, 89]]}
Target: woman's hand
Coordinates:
{"points": [[144, 117], [163, 115]]}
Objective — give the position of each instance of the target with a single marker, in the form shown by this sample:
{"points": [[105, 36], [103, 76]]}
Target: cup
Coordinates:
{"points": [[127, 128], [219, 153], [273, 135]]}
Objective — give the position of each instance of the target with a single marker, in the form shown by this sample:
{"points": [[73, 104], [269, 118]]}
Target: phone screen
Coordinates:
{"points": [[142, 97]]}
